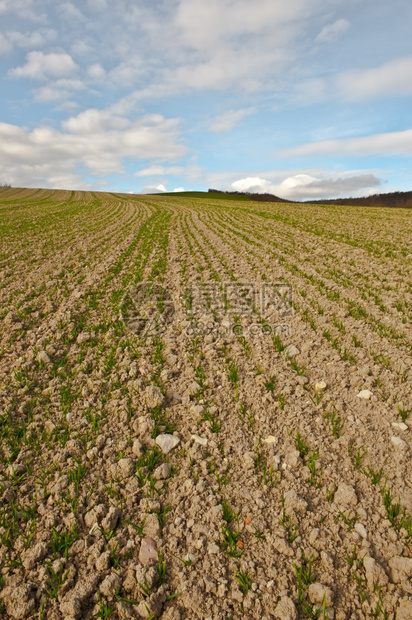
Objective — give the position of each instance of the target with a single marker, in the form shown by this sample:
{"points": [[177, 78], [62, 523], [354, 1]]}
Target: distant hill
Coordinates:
{"points": [[399, 200], [248, 196]]}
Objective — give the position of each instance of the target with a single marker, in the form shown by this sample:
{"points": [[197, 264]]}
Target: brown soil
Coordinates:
{"points": [[173, 447]]}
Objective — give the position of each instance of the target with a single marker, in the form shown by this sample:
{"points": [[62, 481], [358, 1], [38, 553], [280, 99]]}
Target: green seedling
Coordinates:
{"points": [[55, 579], [335, 421], [373, 475], [161, 514], [351, 559], [404, 413], [270, 385], [233, 373], [105, 610], [357, 455], [393, 510], [230, 542], [300, 370], [244, 580], [301, 446], [258, 533], [286, 522], [187, 562], [311, 463], [115, 557], [161, 568], [139, 528], [304, 577], [229, 515], [331, 494], [349, 521], [281, 400], [144, 587], [62, 541]]}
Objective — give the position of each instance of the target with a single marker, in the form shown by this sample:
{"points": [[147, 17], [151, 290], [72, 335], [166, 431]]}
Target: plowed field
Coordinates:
{"points": [[205, 408]]}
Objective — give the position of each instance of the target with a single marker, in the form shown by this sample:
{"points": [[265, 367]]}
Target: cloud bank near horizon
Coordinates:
{"points": [[196, 94]]}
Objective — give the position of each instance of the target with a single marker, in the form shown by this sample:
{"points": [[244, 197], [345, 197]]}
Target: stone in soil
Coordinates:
{"points": [[148, 550], [167, 442]]}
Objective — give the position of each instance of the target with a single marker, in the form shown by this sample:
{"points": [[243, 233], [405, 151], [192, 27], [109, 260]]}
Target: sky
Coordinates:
{"points": [[305, 99]]}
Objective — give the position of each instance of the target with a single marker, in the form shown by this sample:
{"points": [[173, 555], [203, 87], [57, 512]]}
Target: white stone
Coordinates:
{"points": [[400, 425], [271, 439], [361, 530], [399, 443], [365, 394], [291, 351], [321, 386], [167, 442], [200, 440]]}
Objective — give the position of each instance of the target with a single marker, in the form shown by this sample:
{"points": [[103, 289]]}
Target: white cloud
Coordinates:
{"points": [[20, 7], [159, 171], [42, 66], [5, 45], [70, 11], [391, 143], [82, 49], [390, 79], [229, 120], [96, 71], [155, 189], [179, 189], [252, 185], [332, 32], [304, 186], [95, 142], [203, 24], [193, 45], [97, 5], [59, 90], [35, 38]]}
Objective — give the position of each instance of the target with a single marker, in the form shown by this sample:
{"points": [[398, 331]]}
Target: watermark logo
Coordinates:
{"points": [[147, 309], [217, 308]]}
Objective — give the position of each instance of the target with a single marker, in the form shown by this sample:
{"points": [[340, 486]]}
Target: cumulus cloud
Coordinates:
{"points": [[155, 189], [229, 120], [40, 66], [332, 32], [96, 142], [391, 143], [160, 189], [306, 187]]}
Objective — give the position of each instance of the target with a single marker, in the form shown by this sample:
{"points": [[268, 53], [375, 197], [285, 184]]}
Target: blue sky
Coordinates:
{"points": [[302, 98]]}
